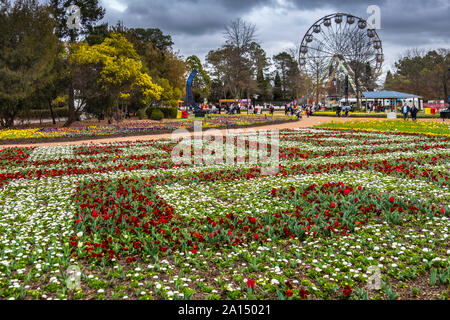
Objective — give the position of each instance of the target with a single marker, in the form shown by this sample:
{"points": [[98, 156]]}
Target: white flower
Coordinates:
{"points": [[275, 282]]}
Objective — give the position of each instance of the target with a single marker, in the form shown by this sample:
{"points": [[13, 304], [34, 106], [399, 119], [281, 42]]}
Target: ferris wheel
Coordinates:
{"points": [[344, 41]]}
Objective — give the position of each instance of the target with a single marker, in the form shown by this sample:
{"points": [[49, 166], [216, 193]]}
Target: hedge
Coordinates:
{"points": [[157, 115], [168, 113], [45, 113]]}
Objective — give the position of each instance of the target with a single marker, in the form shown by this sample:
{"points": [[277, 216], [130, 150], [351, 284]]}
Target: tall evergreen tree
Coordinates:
{"points": [[90, 13], [28, 50], [277, 88]]}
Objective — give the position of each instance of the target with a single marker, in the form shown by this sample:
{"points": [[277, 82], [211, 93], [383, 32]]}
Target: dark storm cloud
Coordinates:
{"points": [[342, 4], [191, 17], [197, 25], [416, 23]]}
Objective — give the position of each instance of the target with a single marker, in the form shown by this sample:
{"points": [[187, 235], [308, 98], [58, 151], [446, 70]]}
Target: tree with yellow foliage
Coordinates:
{"points": [[118, 73]]}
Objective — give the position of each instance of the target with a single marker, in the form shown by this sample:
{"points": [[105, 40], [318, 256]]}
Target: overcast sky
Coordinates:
{"points": [[196, 26]]}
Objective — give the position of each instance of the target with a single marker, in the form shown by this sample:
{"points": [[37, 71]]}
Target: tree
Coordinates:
{"points": [[237, 63], [263, 83], [240, 38], [157, 55], [360, 55], [170, 95], [155, 36], [319, 70], [289, 74], [90, 10], [278, 88], [422, 73], [119, 74], [90, 14], [97, 34], [28, 50], [51, 94]]}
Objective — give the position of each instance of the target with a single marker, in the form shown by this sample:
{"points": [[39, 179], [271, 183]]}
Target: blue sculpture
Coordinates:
{"points": [[189, 90]]}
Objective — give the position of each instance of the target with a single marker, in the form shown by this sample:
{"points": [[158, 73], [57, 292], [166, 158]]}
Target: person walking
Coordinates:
{"points": [[299, 113], [414, 112], [405, 111], [272, 109], [347, 110]]}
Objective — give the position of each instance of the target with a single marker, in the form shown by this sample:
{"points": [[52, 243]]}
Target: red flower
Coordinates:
{"points": [[347, 291], [252, 220], [256, 236], [333, 205], [391, 199], [359, 188], [137, 244], [251, 284], [303, 294], [442, 210], [94, 213], [289, 293], [274, 192], [346, 192], [130, 260]]}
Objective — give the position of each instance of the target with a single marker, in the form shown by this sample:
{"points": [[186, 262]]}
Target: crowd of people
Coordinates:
{"points": [[308, 110], [258, 109], [236, 108]]}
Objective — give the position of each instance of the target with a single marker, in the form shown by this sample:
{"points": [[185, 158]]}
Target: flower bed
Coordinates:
{"points": [[17, 136], [343, 204], [376, 115], [428, 127]]}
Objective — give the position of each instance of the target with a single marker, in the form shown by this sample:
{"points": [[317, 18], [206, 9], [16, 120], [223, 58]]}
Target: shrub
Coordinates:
{"points": [[149, 111], [141, 113], [170, 113], [157, 115]]}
